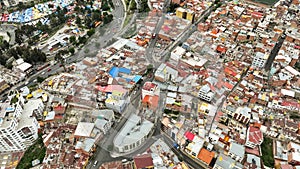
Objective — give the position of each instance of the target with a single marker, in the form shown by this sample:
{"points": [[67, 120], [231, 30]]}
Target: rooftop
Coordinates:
{"points": [[206, 156], [143, 161], [84, 129], [149, 86], [133, 130]]}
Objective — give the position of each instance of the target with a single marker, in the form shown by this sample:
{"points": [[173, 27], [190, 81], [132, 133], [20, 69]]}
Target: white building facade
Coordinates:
{"points": [[18, 126]]}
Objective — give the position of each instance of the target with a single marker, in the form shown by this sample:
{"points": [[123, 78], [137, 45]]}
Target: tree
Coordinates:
{"points": [[86, 50], [96, 16], [97, 44], [144, 6], [3, 60], [72, 51], [173, 7], [72, 39], [111, 4], [105, 6], [108, 18], [150, 67], [132, 5], [77, 9], [78, 20], [60, 59], [40, 79], [87, 22], [91, 32], [82, 40]]}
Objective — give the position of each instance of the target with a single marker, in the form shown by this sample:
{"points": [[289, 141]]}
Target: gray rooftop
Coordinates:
{"points": [[237, 149], [133, 130]]}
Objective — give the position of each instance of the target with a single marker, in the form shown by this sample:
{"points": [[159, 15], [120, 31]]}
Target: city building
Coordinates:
{"points": [[236, 151], [206, 93], [254, 137], [185, 14], [260, 60], [22, 66], [18, 125], [294, 153], [150, 89], [143, 161], [3, 85], [133, 134], [225, 162], [105, 119]]}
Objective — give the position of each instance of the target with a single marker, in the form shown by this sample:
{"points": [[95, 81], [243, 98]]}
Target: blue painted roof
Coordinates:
{"points": [[114, 72], [136, 78], [124, 70]]}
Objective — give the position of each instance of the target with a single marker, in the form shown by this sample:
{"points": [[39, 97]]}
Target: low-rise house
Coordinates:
{"points": [[225, 162], [254, 137], [236, 151]]}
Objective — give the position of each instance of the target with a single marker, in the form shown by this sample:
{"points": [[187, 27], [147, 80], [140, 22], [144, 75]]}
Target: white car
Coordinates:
{"points": [[95, 163]]}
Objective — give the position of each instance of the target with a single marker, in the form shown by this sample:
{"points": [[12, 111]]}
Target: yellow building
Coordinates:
{"points": [[185, 14], [190, 15], [179, 12]]}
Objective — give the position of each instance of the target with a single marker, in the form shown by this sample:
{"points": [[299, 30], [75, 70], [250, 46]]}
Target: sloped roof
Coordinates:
{"points": [[143, 161]]}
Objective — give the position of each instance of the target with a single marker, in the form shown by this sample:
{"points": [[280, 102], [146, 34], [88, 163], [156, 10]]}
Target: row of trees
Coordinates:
{"points": [[29, 55], [144, 6], [92, 16], [29, 31]]}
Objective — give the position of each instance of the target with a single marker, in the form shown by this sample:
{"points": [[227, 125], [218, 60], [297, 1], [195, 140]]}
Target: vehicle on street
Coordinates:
{"points": [[95, 163], [153, 35], [49, 69]]}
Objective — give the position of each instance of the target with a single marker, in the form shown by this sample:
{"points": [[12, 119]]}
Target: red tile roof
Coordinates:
{"points": [[254, 151], [228, 85], [255, 135], [221, 49], [112, 165], [149, 85], [143, 161], [293, 104]]}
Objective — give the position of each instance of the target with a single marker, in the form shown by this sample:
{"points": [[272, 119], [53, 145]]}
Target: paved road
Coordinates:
{"points": [[186, 158], [110, 31], [104, 147], [186, 34], [151, 46], [274, 53]]}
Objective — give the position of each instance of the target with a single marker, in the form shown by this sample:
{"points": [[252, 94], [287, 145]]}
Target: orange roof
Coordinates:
{"points": [[151, 100], [41, 123], [222, 12], [258, 125], [221, 49], [141, 43], [214, 31], [230, 71], [206, 156], [228, 85]]}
